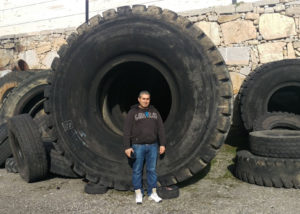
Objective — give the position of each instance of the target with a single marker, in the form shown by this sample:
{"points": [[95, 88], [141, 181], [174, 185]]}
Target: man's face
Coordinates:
{"points": [[144, 100]]}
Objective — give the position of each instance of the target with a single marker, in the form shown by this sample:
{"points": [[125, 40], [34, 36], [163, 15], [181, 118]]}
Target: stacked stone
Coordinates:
{"points": [[36, 49], [251, 34]]}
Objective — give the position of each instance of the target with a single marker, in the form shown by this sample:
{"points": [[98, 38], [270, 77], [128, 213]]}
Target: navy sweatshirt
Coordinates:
{"points": [[143, 126]]}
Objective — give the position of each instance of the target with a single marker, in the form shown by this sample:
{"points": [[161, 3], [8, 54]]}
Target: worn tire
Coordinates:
{"points": [[197, 120], [91, 188], [266, 171], [60, 166], [275, 143], [277, 120], [28, 97], [10, 81], [256, 95], [168, 192], [5, 151], [27, 148], [11, 165]]}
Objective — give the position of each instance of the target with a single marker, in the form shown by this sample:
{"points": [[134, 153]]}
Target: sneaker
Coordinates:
{"points": [[154, 196], [138, 196]]}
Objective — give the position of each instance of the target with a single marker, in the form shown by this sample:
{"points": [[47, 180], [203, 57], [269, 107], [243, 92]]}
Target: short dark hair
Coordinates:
{"points": [[144, 92]]}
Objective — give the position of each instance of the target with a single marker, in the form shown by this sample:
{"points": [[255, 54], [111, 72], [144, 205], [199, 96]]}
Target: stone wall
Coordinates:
{"points": [[36, 49], [251, 34], [247, 35]]}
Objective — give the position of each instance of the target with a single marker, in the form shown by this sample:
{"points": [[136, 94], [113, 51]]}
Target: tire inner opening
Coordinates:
{"points": [[119, 89], [286, 99], [34, 105]]}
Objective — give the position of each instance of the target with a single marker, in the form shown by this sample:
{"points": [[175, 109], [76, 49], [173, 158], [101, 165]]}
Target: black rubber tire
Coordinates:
{"points": [[27, 148], [23, 99], [255, 94], [277, 120], [10, 81], [266, 171], [60, 166], [275, 143], [168, 192], [28, 97], [5, 151], [91, 188], [192, 66], [11, 165]]}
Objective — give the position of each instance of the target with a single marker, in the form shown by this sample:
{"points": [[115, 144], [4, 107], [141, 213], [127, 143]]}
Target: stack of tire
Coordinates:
{"points": [[22, 92], [97, 78], [270, 108]]}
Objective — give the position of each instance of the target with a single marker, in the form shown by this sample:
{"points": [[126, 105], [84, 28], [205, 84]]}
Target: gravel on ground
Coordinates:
{"points": [[215, 190]]}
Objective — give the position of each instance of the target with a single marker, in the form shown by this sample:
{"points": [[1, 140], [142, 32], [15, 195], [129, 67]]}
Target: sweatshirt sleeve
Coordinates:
{"points": [[127, 130], [161, 131]]}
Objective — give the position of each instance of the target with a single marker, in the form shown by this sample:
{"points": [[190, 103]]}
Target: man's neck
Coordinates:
{"points": [[143, 107]]}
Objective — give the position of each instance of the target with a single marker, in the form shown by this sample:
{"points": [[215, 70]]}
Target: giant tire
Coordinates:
{"points": [[281, 93], [275, 143], [266, 171], [98, 76]]}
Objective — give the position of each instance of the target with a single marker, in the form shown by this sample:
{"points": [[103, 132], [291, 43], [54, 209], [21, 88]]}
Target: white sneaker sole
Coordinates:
{"points": [[151, 199]]}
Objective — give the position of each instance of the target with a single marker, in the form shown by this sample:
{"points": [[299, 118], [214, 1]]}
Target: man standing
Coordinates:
{"points": [[143, 129]]}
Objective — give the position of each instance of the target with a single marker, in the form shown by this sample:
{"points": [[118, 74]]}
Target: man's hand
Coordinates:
{"points": [[162, 150], [128, 152]]}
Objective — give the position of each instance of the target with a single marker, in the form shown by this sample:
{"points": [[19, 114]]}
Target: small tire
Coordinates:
{"points": [[275, 143], [5, 151], [11, 165], [92, 188], [27, 148], [276, 120], [266, 171], [168, 192]]}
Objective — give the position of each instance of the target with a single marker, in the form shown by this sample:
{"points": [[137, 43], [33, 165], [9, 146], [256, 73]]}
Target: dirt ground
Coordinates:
{"points": [[213, 191]]}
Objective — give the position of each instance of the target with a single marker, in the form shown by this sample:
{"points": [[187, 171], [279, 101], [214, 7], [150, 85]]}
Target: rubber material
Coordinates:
{"points": [[275, 143], [180, 52], [10, 81], [91, 188], [255, 94], [265, 171], [27, 148], [5, 151], [168, 192], [277, 120], [60, 166], [11, 165], [23, 99]]}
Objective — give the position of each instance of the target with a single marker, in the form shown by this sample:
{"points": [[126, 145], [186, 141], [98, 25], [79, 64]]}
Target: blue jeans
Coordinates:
{"points": [[143, 152]]}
